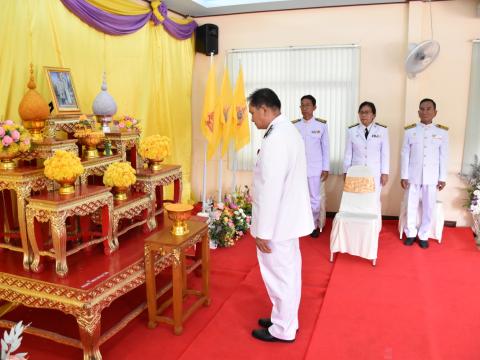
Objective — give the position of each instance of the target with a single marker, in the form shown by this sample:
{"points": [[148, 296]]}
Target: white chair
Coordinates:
{"points": [[356, 227], [438, 219], [323, 211]]}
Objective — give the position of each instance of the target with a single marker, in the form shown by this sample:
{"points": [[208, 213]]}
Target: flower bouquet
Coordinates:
{"points": [[126, 123], [120, 176], [89, 136], [155, 148], [230, 220], [473, 191], [64, 167], [15, 139]]}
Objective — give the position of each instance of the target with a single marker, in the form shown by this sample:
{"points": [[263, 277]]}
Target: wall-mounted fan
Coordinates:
{"points": [[422, 55]]}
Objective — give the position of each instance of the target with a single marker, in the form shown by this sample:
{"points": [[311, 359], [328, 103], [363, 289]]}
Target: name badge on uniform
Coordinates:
{"points": [[375, 136], [437, 137], [315, 131]]}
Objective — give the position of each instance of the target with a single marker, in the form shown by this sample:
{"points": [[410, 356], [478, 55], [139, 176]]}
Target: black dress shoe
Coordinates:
{"points": [[264, 335], [265, 322], [423, 244], [315, 233], [409, 241]]}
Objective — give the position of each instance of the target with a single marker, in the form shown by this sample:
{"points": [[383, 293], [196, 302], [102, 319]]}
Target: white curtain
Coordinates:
{"points": [[471, 145], [329, 73]]}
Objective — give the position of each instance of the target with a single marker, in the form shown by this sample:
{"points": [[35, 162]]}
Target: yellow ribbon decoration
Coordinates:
{"points": [[155, 4], [357, 184]]}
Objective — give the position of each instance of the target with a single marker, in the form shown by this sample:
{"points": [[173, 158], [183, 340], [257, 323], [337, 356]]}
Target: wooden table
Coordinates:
{"points": [[152, 183], [23, 180], [125, 141], [135, 204], [55, 208], [97, 166], [164, 243]]}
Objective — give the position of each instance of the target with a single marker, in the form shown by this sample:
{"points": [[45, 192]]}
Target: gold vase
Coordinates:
{"points": [[35, 127], [91, 141], [120, 192], [179, 213], [6, 160], [67, 186], [154, 164]]}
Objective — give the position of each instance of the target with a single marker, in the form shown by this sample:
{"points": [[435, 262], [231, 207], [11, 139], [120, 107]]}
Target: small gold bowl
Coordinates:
{"points": [[179, 213]]}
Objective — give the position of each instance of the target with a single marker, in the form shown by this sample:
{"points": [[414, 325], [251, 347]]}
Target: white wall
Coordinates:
{"points": [[383, 33]]}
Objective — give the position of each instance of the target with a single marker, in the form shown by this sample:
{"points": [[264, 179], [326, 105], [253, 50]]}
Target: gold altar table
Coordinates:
{"points": [[97, 166], [125, 142], [46, 149], [152, 183], [55, 208], [23, 180], [164, 242], [135, 204]]}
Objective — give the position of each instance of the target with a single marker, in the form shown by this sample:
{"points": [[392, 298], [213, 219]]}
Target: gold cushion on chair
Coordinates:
{"points": [[359, 184]]}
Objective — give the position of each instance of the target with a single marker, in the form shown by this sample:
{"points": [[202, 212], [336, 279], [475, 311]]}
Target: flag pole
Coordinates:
{"points": [[234, 169], [204, 211]]}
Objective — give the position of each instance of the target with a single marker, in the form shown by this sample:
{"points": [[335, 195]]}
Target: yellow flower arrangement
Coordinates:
{"points": [[119, 174], [63, 165], [155, 147], [85, 129]]}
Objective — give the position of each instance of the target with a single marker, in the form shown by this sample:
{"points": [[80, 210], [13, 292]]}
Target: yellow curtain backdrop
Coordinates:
{"points": [[149, 73]]}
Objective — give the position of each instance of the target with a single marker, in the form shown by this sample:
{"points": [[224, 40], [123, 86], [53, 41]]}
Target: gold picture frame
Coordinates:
{"points": [[62, 89]]}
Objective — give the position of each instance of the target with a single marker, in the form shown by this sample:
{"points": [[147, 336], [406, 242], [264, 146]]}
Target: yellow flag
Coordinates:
{"points": [[241, 128], [225, 110], [210, 116]]}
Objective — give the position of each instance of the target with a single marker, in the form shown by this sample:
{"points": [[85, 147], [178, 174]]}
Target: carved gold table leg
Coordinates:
{"points": [[152, 222], [35, 263], [27, 257], [89, 328], [151, 288], [59, 239], [177, 289], [206, 269]]}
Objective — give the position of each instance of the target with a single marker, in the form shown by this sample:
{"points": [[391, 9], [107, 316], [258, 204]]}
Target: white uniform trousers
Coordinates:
{"points": [[282, 274], [378, 192], [314, 187], [428, 195]]}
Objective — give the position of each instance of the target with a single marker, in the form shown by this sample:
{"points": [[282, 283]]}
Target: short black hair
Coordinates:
{"points": [[370, 105], [265, 97], [309, 97], [427, 100]]}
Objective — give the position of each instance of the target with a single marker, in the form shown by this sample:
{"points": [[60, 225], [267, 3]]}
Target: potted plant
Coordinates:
{"points": [[120, 176], [473, 202], [64, 167]]}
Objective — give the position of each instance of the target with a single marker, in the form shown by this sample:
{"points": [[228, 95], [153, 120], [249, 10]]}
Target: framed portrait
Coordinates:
{"points": [[60, 82]]}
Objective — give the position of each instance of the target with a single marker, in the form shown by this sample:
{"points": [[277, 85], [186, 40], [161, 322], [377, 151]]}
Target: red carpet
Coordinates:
{"points": [[414, 304]]}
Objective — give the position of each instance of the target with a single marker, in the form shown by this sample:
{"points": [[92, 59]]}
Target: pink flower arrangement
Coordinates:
{"points": [[15, 138]]}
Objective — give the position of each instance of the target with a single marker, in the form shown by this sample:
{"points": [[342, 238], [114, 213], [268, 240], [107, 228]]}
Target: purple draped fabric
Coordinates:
{"points": [[114, 24]]}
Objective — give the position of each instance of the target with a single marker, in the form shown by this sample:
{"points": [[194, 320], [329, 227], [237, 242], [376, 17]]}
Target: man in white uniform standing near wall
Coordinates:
{"points": [[314, 132], [281, 213], [424, 161]]}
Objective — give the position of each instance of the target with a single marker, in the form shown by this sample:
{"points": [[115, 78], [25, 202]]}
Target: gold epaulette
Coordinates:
{"points": [[295, 121], [351, 126], [321, 120], [382, 125], [443, 127], [411, 126]]}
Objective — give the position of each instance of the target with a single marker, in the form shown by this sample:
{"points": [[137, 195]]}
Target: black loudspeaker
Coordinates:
{"points": [[206, 39]]}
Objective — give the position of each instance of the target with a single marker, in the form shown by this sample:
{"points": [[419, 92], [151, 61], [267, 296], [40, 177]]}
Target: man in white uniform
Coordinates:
{"points": [[367, 144], [424, 160], [314, 132], [281, 213]]}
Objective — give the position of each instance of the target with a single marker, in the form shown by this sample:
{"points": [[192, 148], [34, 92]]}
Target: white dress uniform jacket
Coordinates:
{"points": [[424, 159], [281, 204], [315, 136], [281, 213], [374, 151], [424, 154]]}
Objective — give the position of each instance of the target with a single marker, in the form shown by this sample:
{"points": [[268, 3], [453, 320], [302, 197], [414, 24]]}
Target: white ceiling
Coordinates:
{"points": [[197, 8]]}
